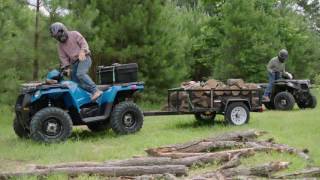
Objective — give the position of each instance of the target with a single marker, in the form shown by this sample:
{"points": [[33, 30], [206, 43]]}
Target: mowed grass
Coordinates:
{"points": [[297, 128]]}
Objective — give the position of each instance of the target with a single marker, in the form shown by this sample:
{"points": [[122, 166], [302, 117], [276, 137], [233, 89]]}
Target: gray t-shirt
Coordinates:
{"points": [[275, 65]]}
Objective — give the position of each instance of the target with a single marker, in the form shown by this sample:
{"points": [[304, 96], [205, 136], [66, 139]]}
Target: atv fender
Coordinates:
{"points": [[110, 95], [56, 93]]}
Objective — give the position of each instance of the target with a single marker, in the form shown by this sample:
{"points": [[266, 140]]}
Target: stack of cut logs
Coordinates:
{"points": [[201, 96], [172, 162]]}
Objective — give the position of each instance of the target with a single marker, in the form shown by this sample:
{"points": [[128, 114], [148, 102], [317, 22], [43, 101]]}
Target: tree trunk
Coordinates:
{"points": [[36, 44]]}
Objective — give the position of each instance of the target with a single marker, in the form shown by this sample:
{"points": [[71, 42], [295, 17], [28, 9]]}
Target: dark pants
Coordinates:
{"points": [[80, 75], [272, 77]]}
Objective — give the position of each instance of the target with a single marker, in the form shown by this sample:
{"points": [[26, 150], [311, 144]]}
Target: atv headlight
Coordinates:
{"points": [[37, 94], [290, 84]]}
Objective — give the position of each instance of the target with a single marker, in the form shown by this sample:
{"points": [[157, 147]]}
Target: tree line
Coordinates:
{"points": [[171, 40]]}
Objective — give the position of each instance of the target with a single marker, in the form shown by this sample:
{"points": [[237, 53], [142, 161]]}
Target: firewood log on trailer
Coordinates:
{"points": [[179, 100], [200, 94], [234, 87], [203, 102], [211, 84], [248, 86], [236, 82], [220, 87]]}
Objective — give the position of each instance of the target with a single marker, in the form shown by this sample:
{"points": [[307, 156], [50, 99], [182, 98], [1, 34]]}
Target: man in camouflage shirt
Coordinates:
{"points": [[276, 70]]}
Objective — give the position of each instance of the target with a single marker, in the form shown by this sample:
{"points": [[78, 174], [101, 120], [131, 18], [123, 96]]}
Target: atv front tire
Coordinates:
{"points": [[310, 102], [284, 101], [20, 131], [126, 118], [50, 125]]}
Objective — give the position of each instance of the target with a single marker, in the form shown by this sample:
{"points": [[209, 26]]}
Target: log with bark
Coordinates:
{"points": [[204, 144], [235, 93], [201, 98], [226, 149], [211, 84], [109, 171], [236, 82], [305, 173], [141, 161], [264, 170], [166, 176], [280, 148]]}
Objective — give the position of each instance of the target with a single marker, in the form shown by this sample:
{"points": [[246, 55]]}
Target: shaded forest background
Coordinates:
{"points": [[171, 40]]}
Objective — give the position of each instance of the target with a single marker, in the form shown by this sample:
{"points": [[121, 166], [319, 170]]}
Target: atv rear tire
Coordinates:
{"points": [[311, 102], [99, 126], [237, 114], [126, 118], [20, 131], [50, 125], [205, 117], [284, 101]]}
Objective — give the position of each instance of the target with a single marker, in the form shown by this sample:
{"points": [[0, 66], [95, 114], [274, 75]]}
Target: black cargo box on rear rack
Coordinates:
{"points": [[117, 73]]}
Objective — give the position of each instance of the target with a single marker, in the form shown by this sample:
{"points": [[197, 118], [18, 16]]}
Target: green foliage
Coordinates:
{"points": [[171, 40], [317, 79], [252, 32]]}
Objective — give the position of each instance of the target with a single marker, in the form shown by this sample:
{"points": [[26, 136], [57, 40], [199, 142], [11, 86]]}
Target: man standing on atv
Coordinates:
{"points": [[276, 70], [74, 55]]}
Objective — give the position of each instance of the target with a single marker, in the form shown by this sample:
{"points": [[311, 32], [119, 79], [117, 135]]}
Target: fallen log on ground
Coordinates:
{"points": [[205, 158], [187, 160], [264, 170], [306, 173], [280, 148], [210, 146], [141, 161], [233, 162], [166, 176], [229, 136], [226, 150], [177, 170]]}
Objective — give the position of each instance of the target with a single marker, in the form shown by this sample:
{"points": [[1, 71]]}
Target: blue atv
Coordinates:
{"points": [[46, 112]]}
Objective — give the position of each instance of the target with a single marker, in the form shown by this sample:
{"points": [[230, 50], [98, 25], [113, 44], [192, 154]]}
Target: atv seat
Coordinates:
{"points": [[103, 87]]}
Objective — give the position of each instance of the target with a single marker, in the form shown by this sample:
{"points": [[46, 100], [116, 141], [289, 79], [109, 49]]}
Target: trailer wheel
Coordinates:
{"points": [[205, 116], [237, 113], [284, 101], [126, 118]]}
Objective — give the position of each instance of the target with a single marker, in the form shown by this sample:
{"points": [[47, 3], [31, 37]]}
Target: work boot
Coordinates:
{"points": [[265, 99], [96, 95]]}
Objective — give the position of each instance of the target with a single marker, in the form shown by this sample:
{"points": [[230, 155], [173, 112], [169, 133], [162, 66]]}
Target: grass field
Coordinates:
{"points": [[298, 128]]}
